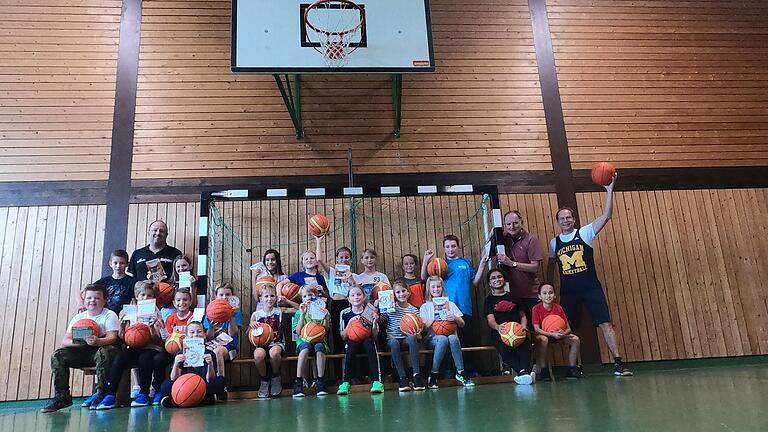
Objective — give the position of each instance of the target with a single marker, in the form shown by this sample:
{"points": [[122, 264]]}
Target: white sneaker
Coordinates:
{"points": [[524, 379], [264, 390], [276, 386], [135, 390]]}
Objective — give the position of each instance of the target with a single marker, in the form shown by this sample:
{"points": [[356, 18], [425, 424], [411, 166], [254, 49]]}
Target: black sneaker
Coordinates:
{"points": [[574, 373], [298, 389], [433, 381], [222, 396], [620, 369], [320, 385], [544, 375], [418, 382], [61, 400], [167, 402], [404, 386]]}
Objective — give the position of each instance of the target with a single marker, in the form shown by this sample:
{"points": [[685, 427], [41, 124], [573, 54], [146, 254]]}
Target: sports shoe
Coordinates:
{"points": [[344, 388], [96, 403], [135, 390], [433, 381], [90, 400], [418, 382], [141, 401], [524, 378], [574, 372], [276, 386], [167, 402], [156, 399], [377, 387], [61, 400], [405, 385], [298, 389], [263, 390], [620, 369], [320, 385], [544, 375], [107, 403], [464, 379]]}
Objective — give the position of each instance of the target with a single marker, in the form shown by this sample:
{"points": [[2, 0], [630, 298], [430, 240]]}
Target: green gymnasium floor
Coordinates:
{"points": [[709, 395]]}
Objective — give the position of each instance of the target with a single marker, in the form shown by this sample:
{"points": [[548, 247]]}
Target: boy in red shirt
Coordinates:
{"points": [[543, 338]]}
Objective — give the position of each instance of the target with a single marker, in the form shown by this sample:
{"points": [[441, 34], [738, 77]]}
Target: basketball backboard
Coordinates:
{"points": [[273, 36]]}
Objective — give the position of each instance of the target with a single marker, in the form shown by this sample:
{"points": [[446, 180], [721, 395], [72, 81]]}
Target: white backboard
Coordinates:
{"points": [[270, 36]]}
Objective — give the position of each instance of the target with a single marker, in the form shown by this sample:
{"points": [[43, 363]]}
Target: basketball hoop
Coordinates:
{"points": [[335, 23]]}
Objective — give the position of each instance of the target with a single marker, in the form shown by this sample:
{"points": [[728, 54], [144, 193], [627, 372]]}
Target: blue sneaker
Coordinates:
{"points": [[156, 400], [90, 400], [107, 403], [141, 401]]}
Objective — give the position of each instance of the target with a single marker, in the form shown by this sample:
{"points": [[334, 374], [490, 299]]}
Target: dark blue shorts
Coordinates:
{"points": [[593, 298]]}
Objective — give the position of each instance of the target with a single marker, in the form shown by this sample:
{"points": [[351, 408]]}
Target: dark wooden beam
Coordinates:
{"points": [[119, 183], [51, 193], [647, 179]]}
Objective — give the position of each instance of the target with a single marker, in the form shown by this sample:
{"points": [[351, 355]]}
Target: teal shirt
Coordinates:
{"points": [[458, 283]]}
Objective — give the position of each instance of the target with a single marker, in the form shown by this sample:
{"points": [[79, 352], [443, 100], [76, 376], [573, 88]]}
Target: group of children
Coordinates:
{"points": [[328, 294]]}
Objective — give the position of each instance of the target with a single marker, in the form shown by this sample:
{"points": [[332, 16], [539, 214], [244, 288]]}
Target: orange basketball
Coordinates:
{"points": [[137, 335], [318, 225], [175, 343], [219, 310], [437, 267], [444, 328], [262, 335], [290, 291], [88, 323], [267, 278], [260, 283], [602, 173], [411, 324], [553, 323], [380, 286], [357, 331], [188, 390], [512, 333], [164, 294], [313, 332]]}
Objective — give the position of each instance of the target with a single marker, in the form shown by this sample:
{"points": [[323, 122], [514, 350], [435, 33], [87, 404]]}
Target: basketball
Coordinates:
{"points": [[318, 225], [188, 390], [553, 323], [290, 291], [267, 278], [444, 328], [512, 333], [411, 324], [602, 173], [175, 343], [137, 335], [262, 282], [88, 323], [313, 332], [380, 286], [164, 294], [437, 267], [357, 331], [219, 310], [262, 335]]}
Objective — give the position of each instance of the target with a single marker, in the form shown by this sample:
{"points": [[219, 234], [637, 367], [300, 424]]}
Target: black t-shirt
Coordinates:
{"points": [[137, 266], [119, 291], [505, 308]]}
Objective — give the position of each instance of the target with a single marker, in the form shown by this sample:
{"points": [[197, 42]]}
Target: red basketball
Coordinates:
{"points": [[411, 324], [380, 286], [164, 294], [553, 323], [290, 291], [444, 328], [602, 173], [262, 335], [437, 267], [357, 331], [512, 333], [137, 335], [318, 225], [313, 332], [88, 323], [219, 310], [188, 390], [174, 344]]}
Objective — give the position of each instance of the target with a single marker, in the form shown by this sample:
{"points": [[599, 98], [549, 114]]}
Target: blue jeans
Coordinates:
{"points": [[413, 350], [440, 344]]}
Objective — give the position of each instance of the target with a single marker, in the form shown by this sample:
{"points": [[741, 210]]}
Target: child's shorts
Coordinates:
{"points": [[318, 347]]}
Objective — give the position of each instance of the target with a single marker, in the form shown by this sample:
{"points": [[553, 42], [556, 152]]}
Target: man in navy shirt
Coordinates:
{"points": [[157, 248]]}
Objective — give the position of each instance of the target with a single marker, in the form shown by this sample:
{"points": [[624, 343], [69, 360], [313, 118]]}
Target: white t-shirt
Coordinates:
{"points": [[427, 311], [367, 281], [340, 288], [107, 321], [587, 233]]}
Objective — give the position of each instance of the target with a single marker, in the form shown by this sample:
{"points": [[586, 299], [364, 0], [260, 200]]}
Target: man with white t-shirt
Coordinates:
{"points": [[572, 253]]}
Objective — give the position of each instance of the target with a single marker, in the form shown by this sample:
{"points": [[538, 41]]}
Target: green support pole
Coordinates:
{"points": [[397, 96], [292, 100]]}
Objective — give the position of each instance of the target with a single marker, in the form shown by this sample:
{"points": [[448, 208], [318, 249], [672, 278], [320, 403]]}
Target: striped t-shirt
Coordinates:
{"points": [[393, 320]]}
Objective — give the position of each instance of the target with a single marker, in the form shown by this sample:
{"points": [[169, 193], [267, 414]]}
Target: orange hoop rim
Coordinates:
{"points": [[341, 33]]}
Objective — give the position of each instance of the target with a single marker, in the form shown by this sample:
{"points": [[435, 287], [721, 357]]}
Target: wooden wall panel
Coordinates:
{"points": [[48, 254], [181, 218], [663, 83], [482, 110], [57, 88]]}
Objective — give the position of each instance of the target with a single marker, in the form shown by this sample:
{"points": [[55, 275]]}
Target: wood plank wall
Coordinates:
{"points": [[57, 88], [663, 83], [47, 255], [482, 110]]}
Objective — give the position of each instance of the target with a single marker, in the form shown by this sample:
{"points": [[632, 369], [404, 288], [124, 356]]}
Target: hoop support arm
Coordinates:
{"points": [[292, 100], [397, 97]]}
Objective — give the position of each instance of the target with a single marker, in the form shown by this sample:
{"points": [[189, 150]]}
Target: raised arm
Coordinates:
{"points": [[599, 223], [480, 269], [428, 254]]}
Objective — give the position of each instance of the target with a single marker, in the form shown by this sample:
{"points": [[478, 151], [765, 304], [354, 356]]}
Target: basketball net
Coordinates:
{"points": [[334, 24]]}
